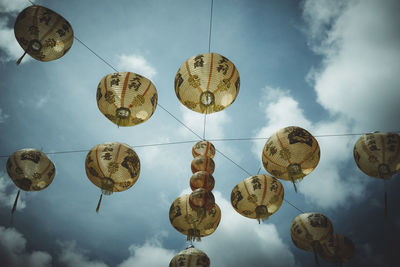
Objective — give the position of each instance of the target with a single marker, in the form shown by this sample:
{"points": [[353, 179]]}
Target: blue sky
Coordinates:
{"points": [[330, 67]]}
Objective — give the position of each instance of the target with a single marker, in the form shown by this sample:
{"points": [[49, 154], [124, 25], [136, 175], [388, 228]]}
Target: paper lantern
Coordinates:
{"points": [[257, 197], [207, 83], [290, 154], [126, 98], [203, 163], [186, 220], [337, 249], [42, 33], [201, 200], [378, 154], [202, 179], [309, 230], [113, 167], [31, 170], [190, 257], [203, 148]]}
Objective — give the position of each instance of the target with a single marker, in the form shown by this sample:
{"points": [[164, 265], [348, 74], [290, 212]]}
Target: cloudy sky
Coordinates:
{"points": [[331, 67]]}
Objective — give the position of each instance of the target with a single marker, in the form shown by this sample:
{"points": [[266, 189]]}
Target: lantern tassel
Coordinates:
{"points": [[15, 203], [294, 184], [98, 204], [315, 256], [20, 59], [385, 199]]}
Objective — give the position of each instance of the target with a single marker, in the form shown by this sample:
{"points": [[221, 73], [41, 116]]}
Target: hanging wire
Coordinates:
{"points": [[209, 35], [31, 2]]}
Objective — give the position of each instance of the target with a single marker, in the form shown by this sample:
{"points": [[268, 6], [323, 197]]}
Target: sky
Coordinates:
{"points": [[330, 67]]}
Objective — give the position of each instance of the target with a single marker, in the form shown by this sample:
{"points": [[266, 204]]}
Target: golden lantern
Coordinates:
{"points": [[378, 154], [113, 167], [203, 148], [290, 154], [202, 179], [42, 33], [309, 230], [257, 197], [126, 98], [190, 257], [207, 83], [187, 221], [31, 170], [201, 200], [203, 163], [337, 249]]}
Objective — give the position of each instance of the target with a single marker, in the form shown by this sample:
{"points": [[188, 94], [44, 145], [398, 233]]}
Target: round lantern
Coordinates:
{"points": [[31, 170], [378, 154], [337, 249], [203, 148], [309, 230], [207, 83], [42, 33], [203, 163], [190, 257], [201, 200], [126, 98], [290, 154], [202, 179], [257, 197], [186, 220], [113, 167]]}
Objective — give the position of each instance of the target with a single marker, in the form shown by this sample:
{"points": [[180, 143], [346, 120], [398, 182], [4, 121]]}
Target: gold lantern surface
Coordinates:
{"points": [[113, 167], [126, 98], [190, 257], [187, 220], [203, 148], [378, 154], [203, 163], [337, 249], [31, 170], [290, 154], [257, 197], [310, 230], [207, 83], [202, 179], [42, 33]]}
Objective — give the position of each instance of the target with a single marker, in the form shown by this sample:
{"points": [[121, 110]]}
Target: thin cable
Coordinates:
{"points": [[31, 2], [94, 53], [293, 205], [204, 129], [209, 36]]}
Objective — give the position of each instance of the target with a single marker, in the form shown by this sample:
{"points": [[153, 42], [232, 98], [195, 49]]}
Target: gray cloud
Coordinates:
{"points": [[8, 192]]}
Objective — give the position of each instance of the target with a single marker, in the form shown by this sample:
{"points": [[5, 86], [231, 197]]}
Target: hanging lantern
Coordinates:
{"points": [[257, 197], [207, 83], [203, 148], [290, 154], [202, 179], [31, 170], [203, 163], [186, 220], [113, 167], [42, 33], [201, 200], [190, 257], [309, 230], [378, 154], [126, 98], [337, 249]]}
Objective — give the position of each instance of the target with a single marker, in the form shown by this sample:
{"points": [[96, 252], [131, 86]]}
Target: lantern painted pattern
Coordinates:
{"points": [[203, 163], [113, 167], [203, 148], [42, 33], [190, 257], [337, 249], [202, 179], [207, 83], [126, 98], [201, 199], [378, 154], [291, 153], [257, 197], [30, 169], [186, 220]]}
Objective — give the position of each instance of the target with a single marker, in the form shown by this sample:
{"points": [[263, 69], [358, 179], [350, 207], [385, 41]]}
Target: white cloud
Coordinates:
{"points": [[8, 44], [8, 192], [72, 256], [13, 251], [13, 5], [137, 64], [3, 116]]}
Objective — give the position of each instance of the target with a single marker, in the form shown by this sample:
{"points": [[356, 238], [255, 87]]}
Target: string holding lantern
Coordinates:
{"points": [[113, 167], [290, 154], [126, 98], [190, 257], [30, 170], [42, 33], [337, 249], [207, 83], [257, 197]]}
